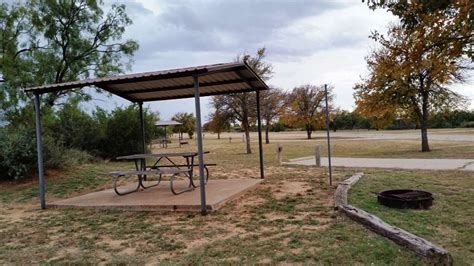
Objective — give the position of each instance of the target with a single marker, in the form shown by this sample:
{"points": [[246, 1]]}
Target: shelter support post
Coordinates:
{"points": [[39, 149], [259, 125], [202, 185], [142, 126]]}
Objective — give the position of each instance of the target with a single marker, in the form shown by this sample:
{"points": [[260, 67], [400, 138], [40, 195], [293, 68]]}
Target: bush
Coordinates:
{"points": [[277, 127], [17, 153], [75, 128], [71, 137], [103, 134], [468, 124], [122, 132], [57, 156]]}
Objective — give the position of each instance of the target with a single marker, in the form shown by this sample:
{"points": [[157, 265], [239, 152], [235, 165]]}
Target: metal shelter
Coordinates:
{"points": [[165, 124], [207, 80]]}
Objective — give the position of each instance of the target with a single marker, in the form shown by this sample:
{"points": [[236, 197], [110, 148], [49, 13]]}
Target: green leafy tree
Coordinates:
{"points": [[123, 131], [44, 42], [188, 124]]}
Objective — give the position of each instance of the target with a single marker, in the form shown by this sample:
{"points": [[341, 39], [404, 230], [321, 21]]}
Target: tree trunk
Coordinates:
{"points": [[246, 126], [267, 129], [425, 147], [309, 131], [218, 135], [247, 140]]}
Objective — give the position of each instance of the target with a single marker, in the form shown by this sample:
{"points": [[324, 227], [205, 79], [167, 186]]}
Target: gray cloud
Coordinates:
{"points": [[222, 26]]}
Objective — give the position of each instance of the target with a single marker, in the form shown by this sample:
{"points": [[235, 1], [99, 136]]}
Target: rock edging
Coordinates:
{"points": [[432, 253]]}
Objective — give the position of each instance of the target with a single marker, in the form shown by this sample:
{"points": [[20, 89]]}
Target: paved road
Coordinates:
{"points": [[415, 135], [426, 164]]}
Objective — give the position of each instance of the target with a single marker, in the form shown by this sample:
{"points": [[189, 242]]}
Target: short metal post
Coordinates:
{"points": [[259, 127], [317, 155], [278, 153], [327, 130], [39, 149], [199, 144]]}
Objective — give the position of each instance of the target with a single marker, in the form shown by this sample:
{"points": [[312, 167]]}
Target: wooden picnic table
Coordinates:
{"points": [[173, 168]]}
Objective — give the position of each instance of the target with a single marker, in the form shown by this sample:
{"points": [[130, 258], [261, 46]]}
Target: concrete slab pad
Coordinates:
{"points": [[160, 198]]}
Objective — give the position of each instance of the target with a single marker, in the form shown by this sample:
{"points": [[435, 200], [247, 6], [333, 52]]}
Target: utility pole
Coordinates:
{"points": [[327, 130]]}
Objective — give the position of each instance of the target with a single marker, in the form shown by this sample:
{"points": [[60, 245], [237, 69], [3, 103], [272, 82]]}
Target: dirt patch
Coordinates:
{"points": [[290, 188]]}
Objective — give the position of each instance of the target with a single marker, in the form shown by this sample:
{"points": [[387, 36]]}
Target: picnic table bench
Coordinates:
{"points": [[142, 173], [173, 169]]}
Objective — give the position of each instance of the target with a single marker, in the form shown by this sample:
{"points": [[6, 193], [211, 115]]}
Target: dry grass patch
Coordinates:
{"points": [[289, 218]]}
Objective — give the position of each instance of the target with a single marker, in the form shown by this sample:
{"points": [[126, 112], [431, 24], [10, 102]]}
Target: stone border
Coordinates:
{"points": [[432, 253]]}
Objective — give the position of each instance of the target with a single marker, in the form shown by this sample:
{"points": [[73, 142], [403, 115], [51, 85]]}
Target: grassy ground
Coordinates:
{"points": [[449, 222], [290, 218], [340, 148]]}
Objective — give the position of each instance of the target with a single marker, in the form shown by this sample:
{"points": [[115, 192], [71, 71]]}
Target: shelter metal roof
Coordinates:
{"points": [[171, 84], [167, 123]]}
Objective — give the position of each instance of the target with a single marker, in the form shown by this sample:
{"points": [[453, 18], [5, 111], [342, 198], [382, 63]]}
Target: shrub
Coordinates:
{"points": [[17, 153], [57, 156], [18, 156], [72, 136], [75, 128], [468, 124], [123, 134]]}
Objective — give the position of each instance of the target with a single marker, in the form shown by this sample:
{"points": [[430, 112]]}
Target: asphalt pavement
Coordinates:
{"points": [[425, 164]]}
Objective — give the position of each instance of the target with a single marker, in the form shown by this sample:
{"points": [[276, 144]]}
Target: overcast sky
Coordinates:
{"points": [[313, 42]]}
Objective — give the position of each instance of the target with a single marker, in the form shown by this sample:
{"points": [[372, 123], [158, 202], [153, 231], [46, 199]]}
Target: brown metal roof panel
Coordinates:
{"points": [[114, 79], [222, 74]]}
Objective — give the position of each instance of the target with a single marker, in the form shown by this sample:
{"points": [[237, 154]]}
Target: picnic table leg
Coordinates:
{"points": [[138, 176], [143, 166], [191, 171], [178, 192], [154, 185], [116, 178]]}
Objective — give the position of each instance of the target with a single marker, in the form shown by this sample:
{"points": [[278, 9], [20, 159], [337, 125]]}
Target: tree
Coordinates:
{"points": [[305, 107], [241, 106], [122, 130], [417, 61], [219, 122], [44, 42], [271, 106], [188, 123], [342, 119], [379, 116], [452, 21]]}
